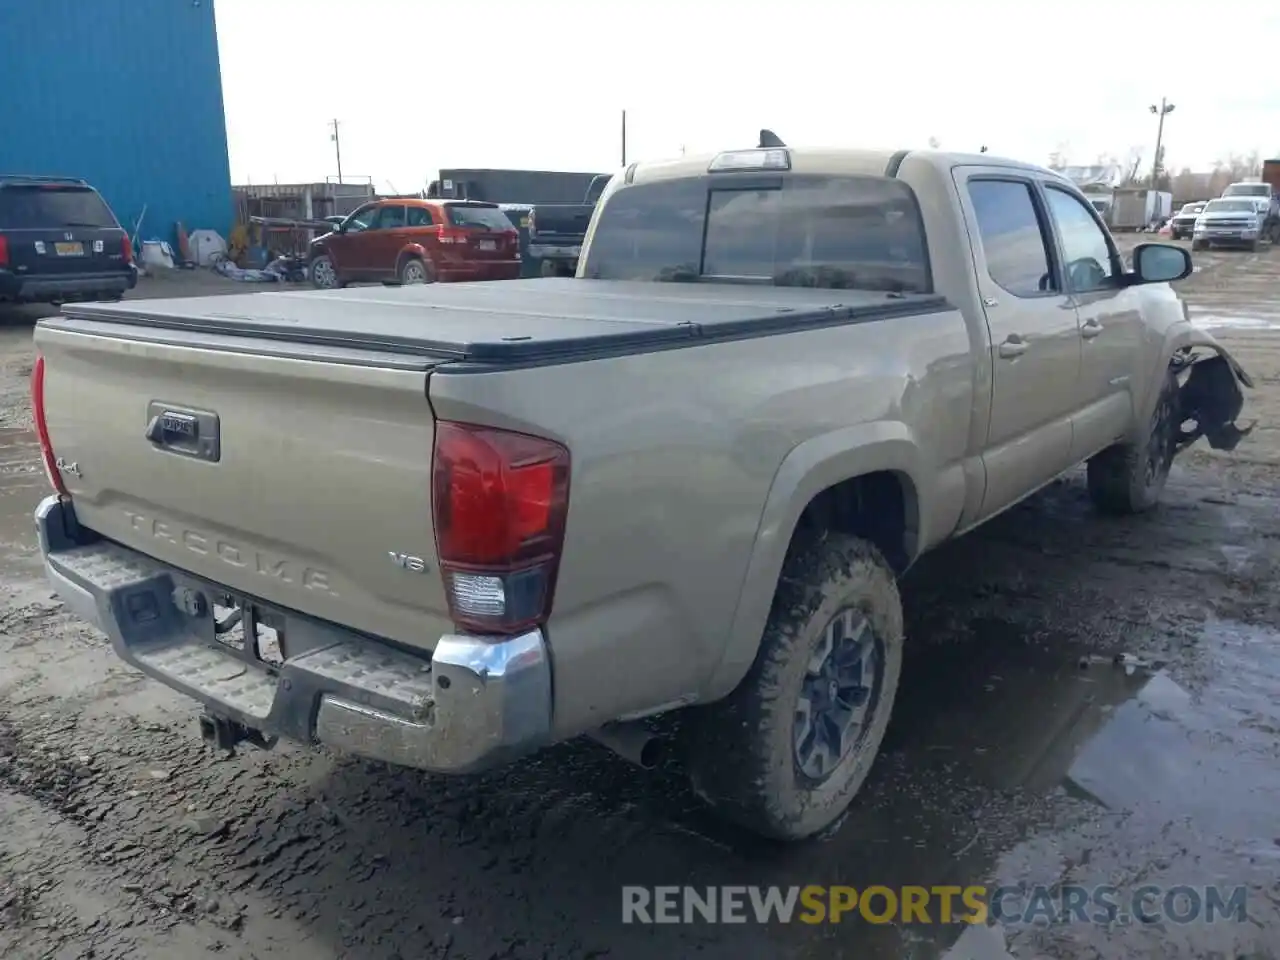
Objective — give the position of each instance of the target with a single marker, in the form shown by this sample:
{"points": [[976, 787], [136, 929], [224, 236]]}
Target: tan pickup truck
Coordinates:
{"points": [[444, 526]]}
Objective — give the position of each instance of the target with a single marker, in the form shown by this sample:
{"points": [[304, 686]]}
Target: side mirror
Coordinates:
{"points": [[1160, 263]]}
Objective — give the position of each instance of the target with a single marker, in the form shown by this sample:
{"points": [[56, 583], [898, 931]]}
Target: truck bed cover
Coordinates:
{"points": [[514, 321]]}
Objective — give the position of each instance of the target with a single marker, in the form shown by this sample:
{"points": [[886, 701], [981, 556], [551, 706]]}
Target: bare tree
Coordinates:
{"points": [[1132, 165], [1060, 157], [1188, 186], [934, 143]]}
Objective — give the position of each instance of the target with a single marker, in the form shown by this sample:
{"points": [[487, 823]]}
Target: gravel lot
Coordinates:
{"points": [[1019, 752]]}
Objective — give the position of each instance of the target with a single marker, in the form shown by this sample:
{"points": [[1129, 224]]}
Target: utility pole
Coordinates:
{"points": [[624, 138], [337, 146], [1164, 108]]}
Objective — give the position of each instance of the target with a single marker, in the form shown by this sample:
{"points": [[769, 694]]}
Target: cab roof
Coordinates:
{"points": [[831, 161]]}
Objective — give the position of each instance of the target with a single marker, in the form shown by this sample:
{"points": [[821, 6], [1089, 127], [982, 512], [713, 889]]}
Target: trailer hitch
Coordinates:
{"points": [[225, 734]]}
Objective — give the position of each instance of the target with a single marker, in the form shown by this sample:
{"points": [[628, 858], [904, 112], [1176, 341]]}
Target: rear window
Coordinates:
{"points": [[831, 232], [1247, 190], [477, 217], [34, 207]]}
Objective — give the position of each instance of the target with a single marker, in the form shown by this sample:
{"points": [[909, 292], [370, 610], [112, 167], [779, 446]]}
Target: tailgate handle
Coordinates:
{"points": [[188, 433], [176, 425]]}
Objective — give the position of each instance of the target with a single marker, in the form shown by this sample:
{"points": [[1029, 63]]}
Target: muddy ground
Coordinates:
{"points": [[1019, 752]]}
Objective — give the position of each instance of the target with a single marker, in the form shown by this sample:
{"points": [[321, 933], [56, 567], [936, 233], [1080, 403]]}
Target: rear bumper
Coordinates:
{"points": [[78, 286], [554, 251], [474, 704], [492, 270]]}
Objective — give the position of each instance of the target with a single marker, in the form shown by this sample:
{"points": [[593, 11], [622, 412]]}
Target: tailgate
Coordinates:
{"points": [[487, 231], [561, 220], [303, 482], [58, 228]]}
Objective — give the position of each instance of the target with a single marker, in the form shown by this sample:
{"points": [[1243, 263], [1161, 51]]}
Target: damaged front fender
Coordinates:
{"points": [[1210, 398]]}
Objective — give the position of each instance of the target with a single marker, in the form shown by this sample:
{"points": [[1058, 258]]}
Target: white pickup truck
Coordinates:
{"points": [[444, 526]]}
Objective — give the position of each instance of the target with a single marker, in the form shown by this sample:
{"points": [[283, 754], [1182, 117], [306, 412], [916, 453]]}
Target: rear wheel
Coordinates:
{"points": [[1197, 244], [787, 751], [1129, 477], [416, 270]]}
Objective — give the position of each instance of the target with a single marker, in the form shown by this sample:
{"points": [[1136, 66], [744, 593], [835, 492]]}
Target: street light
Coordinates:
{"points": [[337, 146], [1164, 108]]}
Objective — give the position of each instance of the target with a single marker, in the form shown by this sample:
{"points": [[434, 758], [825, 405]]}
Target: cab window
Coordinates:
{"points": [[361, 219], [1013, 239], [1091, 261]]}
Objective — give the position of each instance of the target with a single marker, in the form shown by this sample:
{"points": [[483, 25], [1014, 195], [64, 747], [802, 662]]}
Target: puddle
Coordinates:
{"points": [[22, 484], [1219, 321], [1012, 762]]}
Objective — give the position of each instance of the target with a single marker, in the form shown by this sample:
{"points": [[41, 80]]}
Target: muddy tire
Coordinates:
{"points": [[772, 757], [1129, 477], [1197, 244], [415, 270]]}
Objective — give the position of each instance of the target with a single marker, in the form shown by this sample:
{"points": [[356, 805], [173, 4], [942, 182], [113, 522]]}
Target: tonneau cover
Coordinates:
{"points": [[510, 321]]}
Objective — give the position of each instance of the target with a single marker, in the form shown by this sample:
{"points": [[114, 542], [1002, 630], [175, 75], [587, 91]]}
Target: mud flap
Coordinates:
{"points": [[1212, 398]]}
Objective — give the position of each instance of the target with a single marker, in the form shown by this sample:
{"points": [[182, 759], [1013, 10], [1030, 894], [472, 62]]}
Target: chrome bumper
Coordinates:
{"points": [[543, 251], [475, 703]]}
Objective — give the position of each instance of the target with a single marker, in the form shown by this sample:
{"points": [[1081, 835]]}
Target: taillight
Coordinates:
{"points": [[499, 505], [126, 248], [4, 250], [451, 234], [42, 427]]}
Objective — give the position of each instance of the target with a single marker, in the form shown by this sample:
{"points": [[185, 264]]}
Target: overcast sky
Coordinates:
{"points": [[420, 84]]}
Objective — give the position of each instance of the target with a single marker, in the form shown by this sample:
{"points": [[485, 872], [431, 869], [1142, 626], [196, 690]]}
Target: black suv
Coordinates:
{"points": [[59, 241]]}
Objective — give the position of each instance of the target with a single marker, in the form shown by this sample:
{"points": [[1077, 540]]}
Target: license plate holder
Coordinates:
{"points": [[69, 249], [487, 245]]}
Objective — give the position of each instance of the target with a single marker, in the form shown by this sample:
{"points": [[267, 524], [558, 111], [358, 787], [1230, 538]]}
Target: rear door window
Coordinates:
{"points": [[49, 207], [1013, 239], [390, 217], [478, 217], [831, 232], [419, 217]]}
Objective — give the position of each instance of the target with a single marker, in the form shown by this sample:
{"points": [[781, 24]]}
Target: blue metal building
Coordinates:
{"points": [[126, 94]]}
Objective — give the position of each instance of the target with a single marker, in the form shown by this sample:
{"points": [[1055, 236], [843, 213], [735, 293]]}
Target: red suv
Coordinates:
{"points": [[417, 241]]}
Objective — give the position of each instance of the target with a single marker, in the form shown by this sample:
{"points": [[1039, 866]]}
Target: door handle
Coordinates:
{"points": [[1013, 348], [1090, 329]]}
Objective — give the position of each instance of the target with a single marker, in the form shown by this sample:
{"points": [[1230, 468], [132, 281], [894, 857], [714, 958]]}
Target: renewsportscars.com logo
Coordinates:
{"points": [[1010, 905]]}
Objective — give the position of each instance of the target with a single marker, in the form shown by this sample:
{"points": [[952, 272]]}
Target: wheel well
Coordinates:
{"points": [[408, 255], [879, 507]]}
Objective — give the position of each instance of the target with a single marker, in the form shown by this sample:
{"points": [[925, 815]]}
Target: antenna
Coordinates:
{"points": [[770, 139]]}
